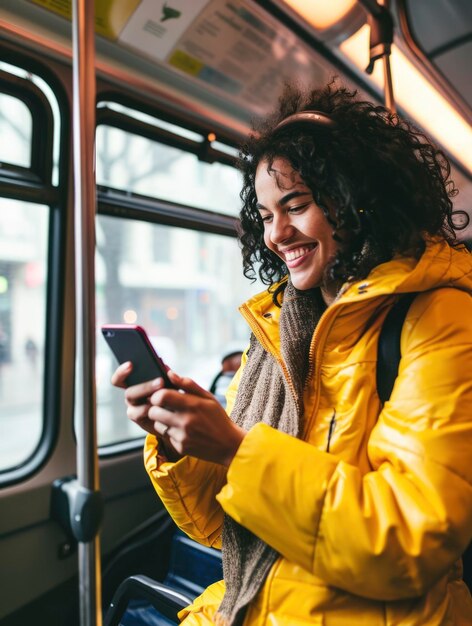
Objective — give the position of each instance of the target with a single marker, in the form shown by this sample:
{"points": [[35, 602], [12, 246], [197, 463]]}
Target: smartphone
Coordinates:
{"points": [[131, 343]]}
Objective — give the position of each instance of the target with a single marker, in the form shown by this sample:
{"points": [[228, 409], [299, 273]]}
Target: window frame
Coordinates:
{"points": [[41, 153], [35, 185], [202, 149]]}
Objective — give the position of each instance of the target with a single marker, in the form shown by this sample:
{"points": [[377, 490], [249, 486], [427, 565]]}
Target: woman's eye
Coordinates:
{"points": [[299, 207], [266, 218]]}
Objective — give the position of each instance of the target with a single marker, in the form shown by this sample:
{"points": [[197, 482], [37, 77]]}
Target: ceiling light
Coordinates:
{"points": [[417, 97], [320, 13]]}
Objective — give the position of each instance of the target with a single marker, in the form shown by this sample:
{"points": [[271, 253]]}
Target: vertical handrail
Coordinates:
{"points": [[84, 95], [388, 85], [380, 21], [387, 68]]}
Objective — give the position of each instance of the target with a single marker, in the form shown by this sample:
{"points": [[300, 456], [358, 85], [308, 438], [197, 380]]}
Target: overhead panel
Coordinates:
{"points": [[231, 48]]}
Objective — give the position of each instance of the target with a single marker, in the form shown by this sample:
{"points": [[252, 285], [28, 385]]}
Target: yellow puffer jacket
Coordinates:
{"points": [[370, 532]]}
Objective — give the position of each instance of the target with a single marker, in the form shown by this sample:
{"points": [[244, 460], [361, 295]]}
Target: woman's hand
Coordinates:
{"points": [[194, 421], [138, 405]]}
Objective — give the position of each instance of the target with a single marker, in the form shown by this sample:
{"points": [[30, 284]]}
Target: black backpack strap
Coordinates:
{"points": [[388, 349]]}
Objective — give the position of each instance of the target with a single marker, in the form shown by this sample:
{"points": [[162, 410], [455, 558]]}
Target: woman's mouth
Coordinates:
{"points": [[296, 256]]}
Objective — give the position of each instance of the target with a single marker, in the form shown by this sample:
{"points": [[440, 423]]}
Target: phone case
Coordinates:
{"points": [[131, 343]]}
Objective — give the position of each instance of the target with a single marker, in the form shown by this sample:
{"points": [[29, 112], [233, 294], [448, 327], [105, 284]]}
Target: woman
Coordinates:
{"points": [[331, 508]]}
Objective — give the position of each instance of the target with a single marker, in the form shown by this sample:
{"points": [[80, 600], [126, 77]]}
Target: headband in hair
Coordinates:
{"points": [[323, 120]]}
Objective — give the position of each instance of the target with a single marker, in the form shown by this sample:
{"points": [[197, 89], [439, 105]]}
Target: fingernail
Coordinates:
{"points": [[157, 382]]}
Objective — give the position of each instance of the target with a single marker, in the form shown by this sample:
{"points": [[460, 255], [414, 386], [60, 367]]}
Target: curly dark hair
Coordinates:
{"points": [[386, 185]]}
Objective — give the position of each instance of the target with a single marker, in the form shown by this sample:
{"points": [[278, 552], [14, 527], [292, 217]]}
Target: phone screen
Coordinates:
{"points": [[131, 343]]}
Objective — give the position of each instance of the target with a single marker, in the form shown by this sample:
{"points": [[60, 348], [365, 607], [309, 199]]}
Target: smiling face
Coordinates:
{"points": [[295, 228]]}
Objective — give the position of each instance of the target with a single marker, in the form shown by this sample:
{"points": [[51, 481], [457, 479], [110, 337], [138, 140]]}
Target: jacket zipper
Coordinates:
{"points": [[315, 340], [314, 373]]}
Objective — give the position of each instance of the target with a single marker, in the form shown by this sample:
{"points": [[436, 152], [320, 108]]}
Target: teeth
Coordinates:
{"points": [[291, 255]]}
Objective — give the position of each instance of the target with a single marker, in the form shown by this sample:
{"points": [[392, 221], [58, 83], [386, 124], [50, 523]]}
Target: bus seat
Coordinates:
{"points": [[141, 601], [165, 600], [192, 566]]}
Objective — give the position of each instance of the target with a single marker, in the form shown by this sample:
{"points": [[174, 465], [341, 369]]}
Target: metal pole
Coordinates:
{"points": [[388, 83], [381, 25], [84, 90]]}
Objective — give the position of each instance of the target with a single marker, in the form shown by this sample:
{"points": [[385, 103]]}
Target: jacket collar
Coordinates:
{"points": [[440, 266]]}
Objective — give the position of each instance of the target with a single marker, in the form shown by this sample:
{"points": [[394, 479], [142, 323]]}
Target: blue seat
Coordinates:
{"points": [[141, 601], [192, 566]]}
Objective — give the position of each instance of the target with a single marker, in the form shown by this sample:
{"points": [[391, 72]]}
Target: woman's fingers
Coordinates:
{"points": [[137, 413], [119, 376], [174, 400], [188, 385], [188, 419], [199, 427], [138, 394], [138, 406], [137, 400], [162, 429], [139, 416], [163, 418]]}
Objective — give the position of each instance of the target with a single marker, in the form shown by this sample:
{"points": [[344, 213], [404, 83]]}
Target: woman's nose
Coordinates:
{"points": [[281, 228]]}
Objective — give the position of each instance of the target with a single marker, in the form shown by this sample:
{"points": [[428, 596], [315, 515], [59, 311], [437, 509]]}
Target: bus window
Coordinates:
{"points": [[153, 268], [16, 129], [23, 260], [140, 165], [31, 217], [182, 286]]}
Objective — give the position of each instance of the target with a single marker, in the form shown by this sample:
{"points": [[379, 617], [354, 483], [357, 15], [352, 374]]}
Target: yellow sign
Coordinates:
{"points": [[185, 62], [110, 15]]}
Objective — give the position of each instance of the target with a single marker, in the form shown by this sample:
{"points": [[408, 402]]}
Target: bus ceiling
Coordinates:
{"points": [[227, 61]]}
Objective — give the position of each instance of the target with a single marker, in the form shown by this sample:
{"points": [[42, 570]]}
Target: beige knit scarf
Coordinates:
{"points": [[264, 395]]}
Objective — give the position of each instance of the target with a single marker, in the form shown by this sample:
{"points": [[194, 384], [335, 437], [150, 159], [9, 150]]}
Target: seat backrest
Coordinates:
{"points": [[165, 600]]}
